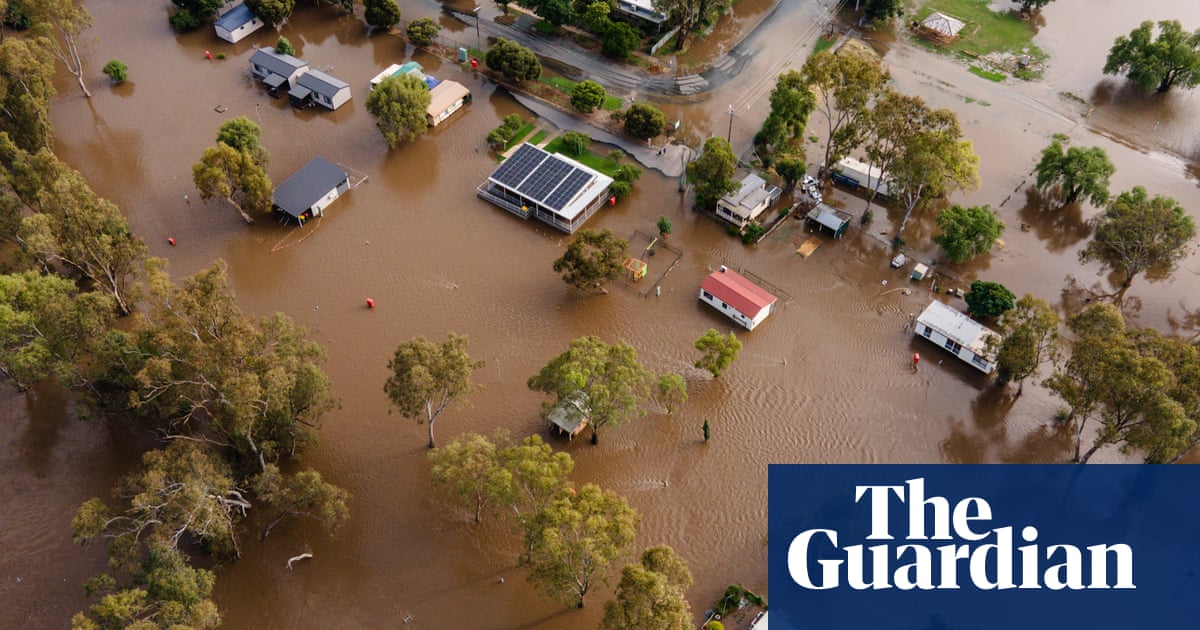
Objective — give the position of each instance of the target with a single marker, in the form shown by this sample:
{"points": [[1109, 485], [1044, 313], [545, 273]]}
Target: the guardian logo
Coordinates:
{"points": [[947, 547]]}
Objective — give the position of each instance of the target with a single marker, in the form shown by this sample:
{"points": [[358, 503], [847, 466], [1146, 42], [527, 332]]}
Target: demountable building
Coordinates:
{"points": [[737, 297], [311, 189], [237, 23], [962, 336]]}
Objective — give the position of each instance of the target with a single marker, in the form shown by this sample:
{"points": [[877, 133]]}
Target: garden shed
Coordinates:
{"points": [[941, 27]]}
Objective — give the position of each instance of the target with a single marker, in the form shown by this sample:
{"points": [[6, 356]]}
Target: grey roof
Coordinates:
{"points": [[306, 187], [570, 413], [284, 65], [321, 83], [235, 17], [829, 217]]}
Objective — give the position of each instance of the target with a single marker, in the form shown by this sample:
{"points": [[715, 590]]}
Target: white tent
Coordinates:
{"points": [[943, 25]]}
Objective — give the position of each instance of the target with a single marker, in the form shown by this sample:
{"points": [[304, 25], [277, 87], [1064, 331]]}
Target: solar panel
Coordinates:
{"points": [[569, 187], [543, 180], [518, 166]]}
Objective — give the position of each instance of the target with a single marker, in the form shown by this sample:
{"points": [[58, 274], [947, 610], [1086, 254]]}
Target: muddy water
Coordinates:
{"points": [[826, 379]]}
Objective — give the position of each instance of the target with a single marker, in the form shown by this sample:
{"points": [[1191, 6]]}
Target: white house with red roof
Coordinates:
{"points": [[738, 298]]}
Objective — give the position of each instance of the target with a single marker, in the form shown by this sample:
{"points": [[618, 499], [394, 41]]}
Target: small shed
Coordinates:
{"points": [[316, 87], [237, 23], [829, 218], [570, 415], [276, 70], [751, 199], [737, 297], [445, 98], [311, 189], [942, 27]]}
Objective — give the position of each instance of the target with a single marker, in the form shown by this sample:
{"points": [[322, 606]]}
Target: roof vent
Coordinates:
{"points": [[723, 270]]}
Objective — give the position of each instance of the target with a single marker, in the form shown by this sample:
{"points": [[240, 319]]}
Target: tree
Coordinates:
{"points": [[513, 60], [116, 71], [989, 299], [61, 22], [791, 168], [1137, 233], [712, 173], [556, 12], [26, 86], [575, 142], [717, 352], [586, 96], [580, 536], [610, 377], [75, 227], [932, 160], [619, 40], [690, 14], [398, 103], [664, 226], [966, 233], [469, 469], [672, 391], [887, 127], [791, 103], [499, 137], [304, 494], [537, 476], [165, 592], [427, 377], [595, 17], [272, 12], [592, 259], [235, 176], [47, 326], [623, 179], [882, 11], [421, 31], [1030, 339], [1172, 58], [199, 8], [644, 121], [243, 134], [846, 85], [1078, 172], [381, 13], [650, 595], [1168, 442], [196, 368], [284, 47]]}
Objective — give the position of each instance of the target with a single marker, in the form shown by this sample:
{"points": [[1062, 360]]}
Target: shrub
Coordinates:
{"points": [[619, 40], [644, 121], [714, 625], [587, 96], [513, 60], [664, 225], [752, 233], [575, 142], [284, 47], [220, 55], [183, 21], [116, 71], [421, 31]]}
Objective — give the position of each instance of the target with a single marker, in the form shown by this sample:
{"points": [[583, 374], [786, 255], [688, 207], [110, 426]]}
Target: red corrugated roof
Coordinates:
{"points": [[735, 290]]}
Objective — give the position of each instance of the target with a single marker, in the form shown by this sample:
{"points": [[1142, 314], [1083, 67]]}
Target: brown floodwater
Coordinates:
{"points": [[825, 379]]}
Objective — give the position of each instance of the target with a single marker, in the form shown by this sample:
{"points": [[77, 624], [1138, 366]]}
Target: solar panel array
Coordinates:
{"points": [[536, 175]]}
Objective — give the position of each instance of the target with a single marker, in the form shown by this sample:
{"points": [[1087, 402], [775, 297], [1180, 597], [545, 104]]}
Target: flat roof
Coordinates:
{"points": [[445, 94], [306, 186], [553, 181], [956, 325], [737, 291]]}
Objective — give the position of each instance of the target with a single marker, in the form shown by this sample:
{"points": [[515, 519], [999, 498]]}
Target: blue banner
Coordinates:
{"points": [[983, 547]]}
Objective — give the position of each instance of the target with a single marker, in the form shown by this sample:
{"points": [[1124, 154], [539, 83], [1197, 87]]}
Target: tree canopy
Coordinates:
{"points": [[272, 12], [967, 233], [592, 259], [881, 11], [1078, 172], [846, 85], [421, 31], [610, 377], [237, 177], [469, 470], [586, 96], [619, 40], [26, 86], [428, 377], [398, 104], [61, 23], [381, 13], [243, 134], [651, 594], [712, 173], [644, 121], [1137, 233], [989, 299], [513, 60], [1172, 58], [1030, 339], [717, 351], [791, 103]]}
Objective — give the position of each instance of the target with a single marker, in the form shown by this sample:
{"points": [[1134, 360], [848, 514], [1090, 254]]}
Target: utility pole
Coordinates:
{"points": [[477, 46], [729, 136]]}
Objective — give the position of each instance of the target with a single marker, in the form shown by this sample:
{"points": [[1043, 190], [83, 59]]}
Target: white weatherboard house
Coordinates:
{"points": [[964, 337], [748, 202], [237, 23], [317, 87], [311, 189], [736, 297], [276, 70], [446, 98]]}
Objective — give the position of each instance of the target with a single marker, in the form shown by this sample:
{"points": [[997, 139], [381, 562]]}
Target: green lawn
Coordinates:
{"points": [[987, 74], [520, 135], [611, 103], [823, 43], [985, 31], [538, 137], [589, 158]]}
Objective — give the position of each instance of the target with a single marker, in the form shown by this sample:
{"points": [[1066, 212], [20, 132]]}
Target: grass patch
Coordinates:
{"points": [[546, 28], [611, 103], [987, 74], [823, 43], [589, 158], [520, 135], [539, 136], [986, 31]]}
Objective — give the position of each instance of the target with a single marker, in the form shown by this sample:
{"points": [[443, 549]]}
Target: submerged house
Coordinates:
{"points": [[745, 205], [316, 87], [237, 23], [446, 98], [571, 415], [276, 70], [736, 297], [857, 174], [552, 188], [408, 67], [962, 336], [311, 189]]}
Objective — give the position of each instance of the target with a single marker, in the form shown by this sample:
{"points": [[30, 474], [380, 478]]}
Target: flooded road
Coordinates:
{"points": [[825, 379]]}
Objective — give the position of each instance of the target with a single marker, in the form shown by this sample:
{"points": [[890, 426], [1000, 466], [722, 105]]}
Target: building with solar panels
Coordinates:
{"points": [[547, 186]]}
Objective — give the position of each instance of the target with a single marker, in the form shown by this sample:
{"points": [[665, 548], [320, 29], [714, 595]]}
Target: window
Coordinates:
{"points": [[928, 331], [706, 294], [953, 346], [980, 361]]}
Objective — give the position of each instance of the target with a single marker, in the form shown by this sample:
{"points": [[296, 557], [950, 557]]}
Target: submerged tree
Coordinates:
{"points": [[427, 377], [718, 352], [1078, 172], [302, 495], [967, 233], [61, 22], [711, 174], [381, 13], [470, 471], [592, 259], [164, 591], [272, 12], [989, 299], [26, 86], [1137, 233], [932, 159], [399, 103], [1030, 339], [1172, 58], [513, 60], [846, 85], [651, 594], [235, 176]]}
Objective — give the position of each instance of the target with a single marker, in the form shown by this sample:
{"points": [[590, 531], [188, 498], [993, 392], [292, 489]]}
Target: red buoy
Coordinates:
{"points": [[474, 63], [171, 241], [370, 303], [612, 201], [208, 55], [916, 359]]}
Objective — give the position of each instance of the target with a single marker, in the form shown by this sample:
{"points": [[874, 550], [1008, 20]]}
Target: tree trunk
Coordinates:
{"points": [[245, 217], [1020, 386], [267, 530], [82, 85], [1090, 452], [1167, 81], [431, 444], [595, 441]]}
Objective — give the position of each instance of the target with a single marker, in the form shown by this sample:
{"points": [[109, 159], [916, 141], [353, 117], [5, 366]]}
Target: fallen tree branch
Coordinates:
{"points": [[303, 556]]}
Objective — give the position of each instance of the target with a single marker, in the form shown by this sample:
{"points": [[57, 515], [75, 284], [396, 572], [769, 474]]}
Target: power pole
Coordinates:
{"points": [[729, 135]]}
